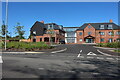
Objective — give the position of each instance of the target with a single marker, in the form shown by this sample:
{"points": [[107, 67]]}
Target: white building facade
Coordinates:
{"points": [[70, 35]]}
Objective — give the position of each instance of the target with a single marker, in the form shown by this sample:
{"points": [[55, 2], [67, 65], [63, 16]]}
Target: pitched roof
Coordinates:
{"points": [[97, 26], [55, 26], [37, 23], [70, 27]]}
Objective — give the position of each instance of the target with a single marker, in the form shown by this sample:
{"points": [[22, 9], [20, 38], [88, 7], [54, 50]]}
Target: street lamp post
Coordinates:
{"points": [[6, 23], [100, 37]]}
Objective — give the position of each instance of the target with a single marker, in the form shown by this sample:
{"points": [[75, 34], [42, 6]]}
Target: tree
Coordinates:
{"points": [[3, 27], [19, 30], [2, 31]]}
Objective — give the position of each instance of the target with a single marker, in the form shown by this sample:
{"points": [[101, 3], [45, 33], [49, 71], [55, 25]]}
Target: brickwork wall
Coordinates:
{"points": [[57, 36], [96, 34]]}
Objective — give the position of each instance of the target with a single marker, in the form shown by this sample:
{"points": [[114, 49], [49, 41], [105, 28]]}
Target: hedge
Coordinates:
{"points": [[111, 45], [27, 45]]}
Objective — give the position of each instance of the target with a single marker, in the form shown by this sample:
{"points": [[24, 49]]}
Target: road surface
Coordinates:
{"points": [[74, 61]]}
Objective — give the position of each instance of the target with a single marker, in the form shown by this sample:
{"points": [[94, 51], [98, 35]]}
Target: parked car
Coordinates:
{"points": [[61, 42]]}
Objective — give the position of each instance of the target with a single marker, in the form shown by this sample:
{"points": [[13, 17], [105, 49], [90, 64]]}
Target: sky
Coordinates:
{"points": [[68, 14]]}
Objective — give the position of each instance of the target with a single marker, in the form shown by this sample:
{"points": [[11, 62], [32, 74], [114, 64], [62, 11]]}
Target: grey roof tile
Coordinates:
{"points": [[97, 26]]}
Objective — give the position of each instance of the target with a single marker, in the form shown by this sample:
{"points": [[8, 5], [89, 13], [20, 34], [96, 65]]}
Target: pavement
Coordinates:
{"points": [[67, 61]]}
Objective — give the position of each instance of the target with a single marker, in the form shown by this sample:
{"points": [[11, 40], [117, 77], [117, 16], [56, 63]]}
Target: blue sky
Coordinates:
{"points": [[68, 14]]}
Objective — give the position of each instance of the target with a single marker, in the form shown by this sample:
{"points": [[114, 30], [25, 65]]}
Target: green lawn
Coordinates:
{"points": [[111, 45], [27, 45], [117, 51]]}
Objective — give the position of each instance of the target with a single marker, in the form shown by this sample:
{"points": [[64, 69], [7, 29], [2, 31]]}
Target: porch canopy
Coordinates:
{"points": [[89, 37]]}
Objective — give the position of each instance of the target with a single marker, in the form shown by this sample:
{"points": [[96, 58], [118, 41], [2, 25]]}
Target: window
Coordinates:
{"points": [[89, 26], [110, 40], [80, 33], [102, 33], [80, 40], [34, 39], [102, 40], [118, 33], [101, 26], [40, 39], [70, 34], [50, 27], [34, 32], [118, 39], [110, 33], [89, 33], [110, 27]]}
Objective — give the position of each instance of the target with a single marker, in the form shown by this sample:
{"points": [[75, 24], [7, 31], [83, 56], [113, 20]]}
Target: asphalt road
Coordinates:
{"points": [[74, 61]]}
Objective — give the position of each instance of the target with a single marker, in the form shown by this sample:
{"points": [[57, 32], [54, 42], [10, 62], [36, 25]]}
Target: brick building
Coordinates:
{"points": [[98, 33], [87, 33], [50, 32]]}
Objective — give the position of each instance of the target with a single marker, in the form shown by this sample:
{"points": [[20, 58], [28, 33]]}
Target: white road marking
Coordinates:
{"points": [[59, 50], [95, 73], [71, 71], [1, 61], [90, 57], [41, 68], [22, 52], [100, 58], [117, 58], [58, 70], [82, 57], [91, 53], [110, 58], [79, 53], [103, 53]]}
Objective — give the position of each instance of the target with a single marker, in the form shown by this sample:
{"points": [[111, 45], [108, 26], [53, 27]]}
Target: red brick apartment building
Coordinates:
{"points": [[98, 33], [87, 33], [46, 32]]}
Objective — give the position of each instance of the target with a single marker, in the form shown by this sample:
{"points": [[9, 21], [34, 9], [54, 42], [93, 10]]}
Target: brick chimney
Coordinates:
{"points": [[42, 21], [111, 21]]}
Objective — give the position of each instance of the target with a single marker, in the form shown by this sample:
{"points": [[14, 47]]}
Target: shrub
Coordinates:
{"points": [[111, 45], [117, 51], [28, 46]]}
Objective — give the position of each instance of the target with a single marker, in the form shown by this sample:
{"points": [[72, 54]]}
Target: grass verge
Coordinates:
{"points": [[111, 45], [27, 46], [118, 51]]}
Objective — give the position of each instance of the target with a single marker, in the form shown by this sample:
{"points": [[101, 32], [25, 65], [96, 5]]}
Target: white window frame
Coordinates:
{"points": [[110, 33], [80, 40], [118, 33], [34, 32], [110, 27], [102, 33], [101, 26]]}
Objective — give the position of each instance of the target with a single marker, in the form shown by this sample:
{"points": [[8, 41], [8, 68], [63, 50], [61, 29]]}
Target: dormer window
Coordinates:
{"points": [[101, 26], [60, 26], [110, 27], [50, 27], [34, 32]]}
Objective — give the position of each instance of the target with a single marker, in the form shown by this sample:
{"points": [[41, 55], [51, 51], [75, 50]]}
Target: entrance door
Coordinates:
{"points": [[89, 40], [34, 40]]}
